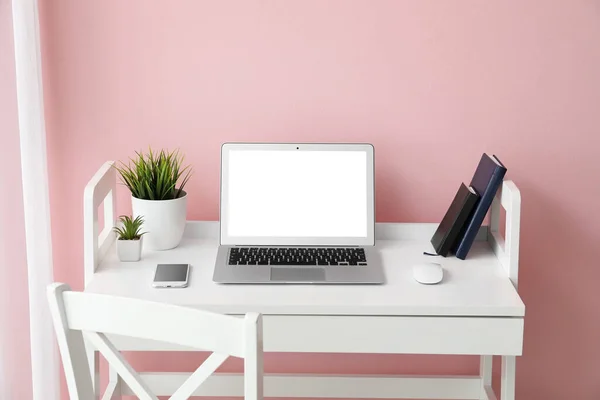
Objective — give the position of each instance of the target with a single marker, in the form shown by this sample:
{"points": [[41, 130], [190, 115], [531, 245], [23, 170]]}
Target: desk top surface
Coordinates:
{"points": [[477, 286]]}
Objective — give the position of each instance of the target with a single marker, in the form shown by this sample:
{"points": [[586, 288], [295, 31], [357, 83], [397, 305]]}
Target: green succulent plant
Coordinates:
{"points": [[130, 229], [154, 176]]}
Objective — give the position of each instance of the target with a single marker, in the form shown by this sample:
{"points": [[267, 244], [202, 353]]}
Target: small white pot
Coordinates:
{"points": [[164, 221], [129, 250]]}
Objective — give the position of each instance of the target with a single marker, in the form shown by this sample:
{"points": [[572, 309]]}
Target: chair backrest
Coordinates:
{"points": [[78, 315]]}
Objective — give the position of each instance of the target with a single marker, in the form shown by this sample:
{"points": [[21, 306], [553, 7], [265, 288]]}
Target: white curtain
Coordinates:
{"points": [[15, 364], [28, 356]]}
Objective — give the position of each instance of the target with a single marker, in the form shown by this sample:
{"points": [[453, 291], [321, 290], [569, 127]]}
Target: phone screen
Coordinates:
{"points": [[171, 273]]}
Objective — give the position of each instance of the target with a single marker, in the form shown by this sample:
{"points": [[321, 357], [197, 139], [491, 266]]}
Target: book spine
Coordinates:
{"points": [[473, 225]]}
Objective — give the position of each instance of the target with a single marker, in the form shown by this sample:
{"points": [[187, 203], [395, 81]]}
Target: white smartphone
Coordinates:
{"points": [[171, 276]]}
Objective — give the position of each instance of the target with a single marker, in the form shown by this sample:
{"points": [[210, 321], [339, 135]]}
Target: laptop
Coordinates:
{"points": [[297, 213]]}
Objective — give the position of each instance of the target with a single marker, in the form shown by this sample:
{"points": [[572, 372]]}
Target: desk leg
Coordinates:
{"points": [[508, 377], [94, 361], [485, 373]]}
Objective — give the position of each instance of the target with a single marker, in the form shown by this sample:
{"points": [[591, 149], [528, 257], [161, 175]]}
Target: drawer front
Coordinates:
{"points": [[388, 335], [402, 335]]}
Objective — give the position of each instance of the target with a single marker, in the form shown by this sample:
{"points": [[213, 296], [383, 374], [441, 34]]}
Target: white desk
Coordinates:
{"points": [[476, 310]]}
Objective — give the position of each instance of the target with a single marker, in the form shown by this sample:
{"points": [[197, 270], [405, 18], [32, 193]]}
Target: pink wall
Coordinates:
{"points": [[15, 374], [431, 84]]}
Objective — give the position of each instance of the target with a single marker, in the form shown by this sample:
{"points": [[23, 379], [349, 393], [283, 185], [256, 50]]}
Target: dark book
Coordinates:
{"points": [[486, 181], [452, 224]]}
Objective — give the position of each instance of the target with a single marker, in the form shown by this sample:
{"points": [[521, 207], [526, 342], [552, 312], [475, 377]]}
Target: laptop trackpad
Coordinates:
{"points": [[297, 274]]}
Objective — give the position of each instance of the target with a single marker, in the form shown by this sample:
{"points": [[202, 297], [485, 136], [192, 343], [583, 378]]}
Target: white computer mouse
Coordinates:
{"points": [[428, 273]]}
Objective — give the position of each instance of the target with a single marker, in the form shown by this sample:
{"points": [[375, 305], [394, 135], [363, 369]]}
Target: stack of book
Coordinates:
{"points": [[466, 213]]}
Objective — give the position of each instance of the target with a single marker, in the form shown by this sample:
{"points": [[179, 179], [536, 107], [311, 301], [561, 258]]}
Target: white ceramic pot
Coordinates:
{"points": [[129, 250], [164, 221]]}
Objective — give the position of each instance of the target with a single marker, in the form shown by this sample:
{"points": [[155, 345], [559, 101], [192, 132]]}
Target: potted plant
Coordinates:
{"points": [[156, 182], [129, 238]]}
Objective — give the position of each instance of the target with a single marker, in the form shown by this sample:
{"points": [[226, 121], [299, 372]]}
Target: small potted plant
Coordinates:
{"points": [[156, 182], [129, 238]]}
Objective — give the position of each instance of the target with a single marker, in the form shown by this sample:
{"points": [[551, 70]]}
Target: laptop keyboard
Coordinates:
{"points": [[320, 256]]}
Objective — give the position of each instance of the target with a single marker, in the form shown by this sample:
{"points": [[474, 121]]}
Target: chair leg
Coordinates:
{"points": [[94, 361], [508, 377], [114, 384]]}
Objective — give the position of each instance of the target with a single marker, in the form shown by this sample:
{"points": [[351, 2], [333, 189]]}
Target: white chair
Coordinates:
{"points": [[77, 315]]}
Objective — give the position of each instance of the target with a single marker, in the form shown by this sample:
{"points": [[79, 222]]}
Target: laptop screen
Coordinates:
{"points": [[304, 194]]}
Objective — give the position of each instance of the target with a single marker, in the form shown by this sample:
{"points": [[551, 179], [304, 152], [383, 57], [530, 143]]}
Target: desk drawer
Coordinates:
{"points": [[387, 335], [403, 335]]}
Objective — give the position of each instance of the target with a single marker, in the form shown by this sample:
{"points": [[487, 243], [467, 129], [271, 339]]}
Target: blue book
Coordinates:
{"points": [[455, 218], [486, 181]]}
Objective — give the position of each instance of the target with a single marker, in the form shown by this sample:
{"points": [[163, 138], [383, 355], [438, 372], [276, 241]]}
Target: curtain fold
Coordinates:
{"points": [[28, 355], [15, 353], [15, 356]]}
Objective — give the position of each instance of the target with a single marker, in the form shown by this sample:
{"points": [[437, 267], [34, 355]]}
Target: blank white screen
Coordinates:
{"points": [[297, 193]]}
